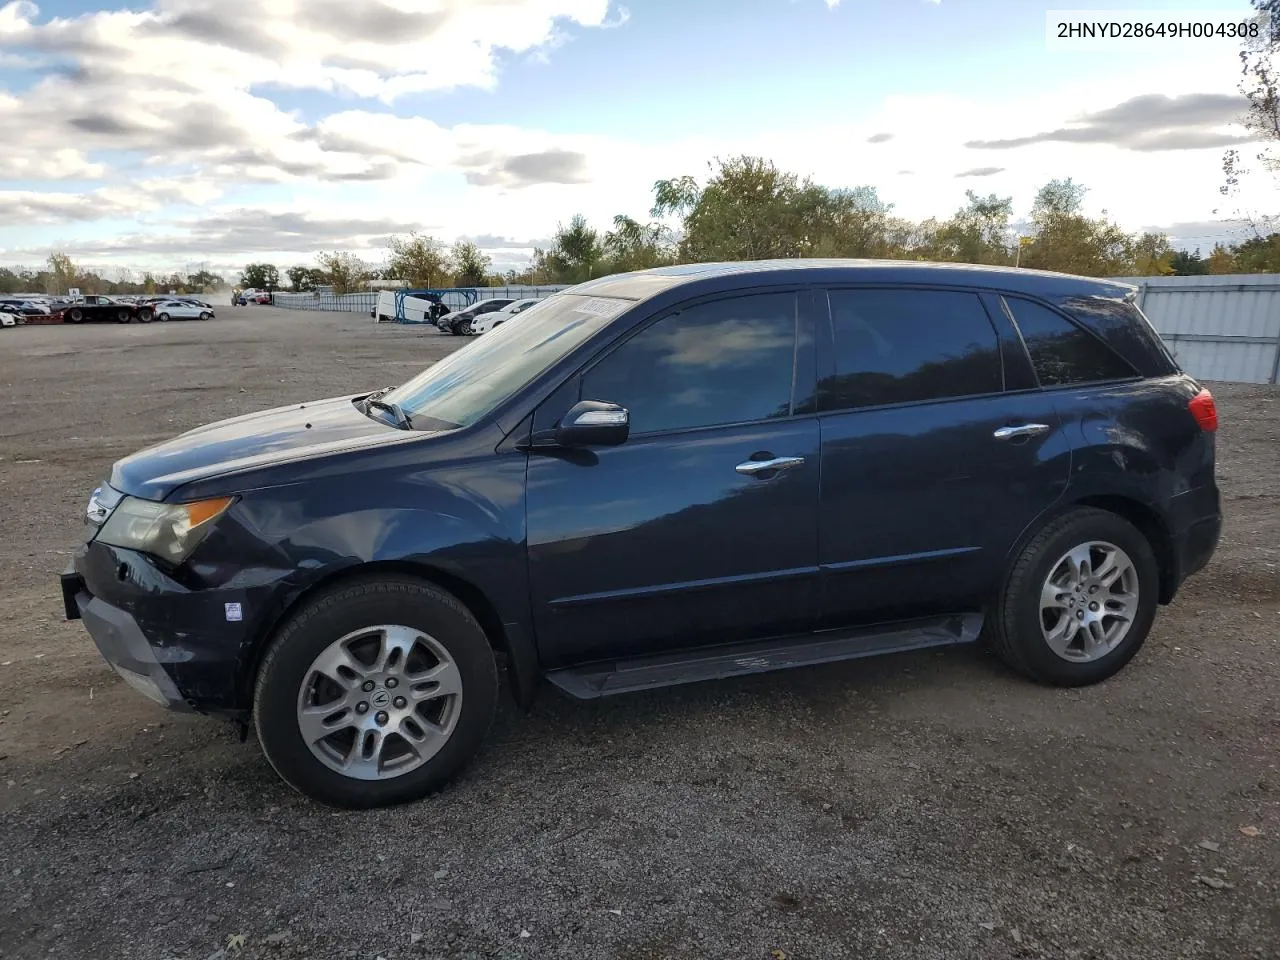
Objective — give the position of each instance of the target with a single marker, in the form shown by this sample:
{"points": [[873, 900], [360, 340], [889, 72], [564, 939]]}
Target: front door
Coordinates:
{"points": [[702, 527], [937, 452]]}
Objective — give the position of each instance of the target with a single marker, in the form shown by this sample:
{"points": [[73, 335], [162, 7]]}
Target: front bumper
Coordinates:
{"points": [[186, 643], [121, 642]]}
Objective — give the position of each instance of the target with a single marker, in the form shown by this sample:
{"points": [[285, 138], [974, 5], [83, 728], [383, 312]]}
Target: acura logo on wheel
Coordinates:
{"points": [[381, 699]]}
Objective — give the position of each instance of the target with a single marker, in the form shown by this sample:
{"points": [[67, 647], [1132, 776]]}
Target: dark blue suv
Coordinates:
{"points": [[655, 478]]}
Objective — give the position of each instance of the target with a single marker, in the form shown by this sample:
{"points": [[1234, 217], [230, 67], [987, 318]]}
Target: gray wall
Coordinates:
{"points": [[1219, 327]]}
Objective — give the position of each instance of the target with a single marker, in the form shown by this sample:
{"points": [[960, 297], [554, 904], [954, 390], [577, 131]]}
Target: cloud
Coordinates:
{"points": [[1147, 123], [880, 138], [981, 172], [527, 169]]}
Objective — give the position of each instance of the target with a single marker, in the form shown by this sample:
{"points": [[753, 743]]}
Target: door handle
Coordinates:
{"points": [[1025, 430], [753, 467]]}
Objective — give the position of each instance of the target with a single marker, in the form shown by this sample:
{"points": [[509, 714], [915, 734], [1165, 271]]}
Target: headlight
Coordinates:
{"points": [[166, 530]]}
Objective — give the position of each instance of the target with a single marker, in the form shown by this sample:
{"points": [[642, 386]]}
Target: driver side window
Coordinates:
{"points": [[723, 362]]}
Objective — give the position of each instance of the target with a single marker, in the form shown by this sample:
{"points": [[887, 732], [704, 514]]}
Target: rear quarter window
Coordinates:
{"points": [[1062, 352]]}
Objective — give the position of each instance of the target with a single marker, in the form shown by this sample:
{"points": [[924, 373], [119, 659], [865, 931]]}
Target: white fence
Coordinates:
{"points": [[1219, 327]]}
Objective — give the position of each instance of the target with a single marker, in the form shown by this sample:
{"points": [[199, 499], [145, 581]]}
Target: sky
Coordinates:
{"points": [[177, 134]]}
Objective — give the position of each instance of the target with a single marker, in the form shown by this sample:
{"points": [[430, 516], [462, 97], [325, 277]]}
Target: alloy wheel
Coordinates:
{"points": [[379, 702], [1089, 601]]}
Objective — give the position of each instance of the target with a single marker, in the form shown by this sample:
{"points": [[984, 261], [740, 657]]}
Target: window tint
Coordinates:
{"points": [[1060, 351], [729, 361], [897, 346]]}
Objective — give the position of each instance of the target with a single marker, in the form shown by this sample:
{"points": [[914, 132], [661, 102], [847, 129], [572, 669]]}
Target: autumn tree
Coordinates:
{"points": [[1068, 241], [418, 260], [62, 273], [345, 271]]}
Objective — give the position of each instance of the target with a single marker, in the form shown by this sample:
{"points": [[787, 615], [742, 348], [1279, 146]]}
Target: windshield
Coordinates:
{"points": [[468, 384]]}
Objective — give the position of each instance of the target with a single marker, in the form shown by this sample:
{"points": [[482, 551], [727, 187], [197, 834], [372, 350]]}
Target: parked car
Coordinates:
{"points": [[486, 322], [182, 310], [9, 316], [27, 308], [459, 322], [656, 478], [98, 308]]}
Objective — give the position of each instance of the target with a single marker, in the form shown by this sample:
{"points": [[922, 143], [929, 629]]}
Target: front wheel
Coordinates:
{"points": [[376, 692], [205, 316], [1079, 600]]}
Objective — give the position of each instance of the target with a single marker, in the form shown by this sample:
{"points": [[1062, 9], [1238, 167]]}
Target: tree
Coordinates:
{"points": [[1186, 264], [631, 245], [1222, 260], [148, 282], [1068, 241], [470, 264], [575, 251], [978, 233], [346, 272], [418, 260], [62, 273], [260, 276], [1152, 255], [1258, 255], [303, 279], [203, 280]]}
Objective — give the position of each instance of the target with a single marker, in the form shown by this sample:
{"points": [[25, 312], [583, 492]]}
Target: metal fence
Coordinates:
{"points": [[1218, 327]]}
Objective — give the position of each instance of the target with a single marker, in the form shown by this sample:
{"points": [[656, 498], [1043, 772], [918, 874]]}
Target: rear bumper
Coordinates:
{"points": [[1195, 525]]}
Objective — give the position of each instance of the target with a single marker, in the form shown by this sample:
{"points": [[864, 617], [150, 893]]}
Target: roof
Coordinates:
{"points": [[643, 284]]}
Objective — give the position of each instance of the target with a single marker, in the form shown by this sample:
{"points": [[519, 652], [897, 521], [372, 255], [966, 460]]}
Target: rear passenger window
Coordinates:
{"points": [[728, 361], [898, 346], [1060, 351]]}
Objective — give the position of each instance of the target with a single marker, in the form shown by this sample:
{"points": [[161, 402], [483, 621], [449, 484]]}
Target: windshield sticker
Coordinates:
{"points": [[602, 307]]}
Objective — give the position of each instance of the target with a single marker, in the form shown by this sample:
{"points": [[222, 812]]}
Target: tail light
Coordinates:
{"points": [[1203, 409]]}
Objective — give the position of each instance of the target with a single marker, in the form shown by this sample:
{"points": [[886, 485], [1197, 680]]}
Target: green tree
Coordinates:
{"points": [[977, 233], [1152, 255], [1222, 260], [575, 252], [470, 264], [345, 271], [204, 280], [1186, 264], [303, 279], [631, 245], [260, 276], [418, 260], [1258, 255]]}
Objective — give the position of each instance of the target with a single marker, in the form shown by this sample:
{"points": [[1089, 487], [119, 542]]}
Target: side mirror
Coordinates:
{"points": [[593, 423]]}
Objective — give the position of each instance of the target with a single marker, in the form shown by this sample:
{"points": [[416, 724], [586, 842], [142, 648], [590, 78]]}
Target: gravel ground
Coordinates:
{"points": [[922, 805]]}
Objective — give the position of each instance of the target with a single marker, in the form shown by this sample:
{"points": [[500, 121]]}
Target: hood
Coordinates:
{"points": [[295, 432]]}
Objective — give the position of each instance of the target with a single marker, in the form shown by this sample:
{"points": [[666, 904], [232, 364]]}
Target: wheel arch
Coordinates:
{"points": [[1146, 519], [509, 639]]}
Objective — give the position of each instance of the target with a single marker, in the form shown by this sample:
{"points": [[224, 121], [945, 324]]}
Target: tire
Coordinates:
{"points": [[75, 316], [146, 316], [464, 328], [163, 317], [205, 315], [1019, 630], [122, 316], [353, 609]]}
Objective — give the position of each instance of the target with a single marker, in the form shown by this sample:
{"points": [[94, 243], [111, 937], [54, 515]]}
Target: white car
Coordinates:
{"points": [[8, 318], [486, 322], [181, 310]]}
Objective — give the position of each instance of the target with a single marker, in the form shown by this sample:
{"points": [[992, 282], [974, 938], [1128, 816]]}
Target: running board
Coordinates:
{"points": [[608, 677]]}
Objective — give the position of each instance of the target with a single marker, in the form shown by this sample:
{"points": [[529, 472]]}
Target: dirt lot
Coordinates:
{"points": [[924, 805]]}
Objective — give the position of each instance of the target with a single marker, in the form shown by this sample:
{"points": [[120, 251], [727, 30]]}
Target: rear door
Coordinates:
{"points": [[702, 527], [938, 450]]}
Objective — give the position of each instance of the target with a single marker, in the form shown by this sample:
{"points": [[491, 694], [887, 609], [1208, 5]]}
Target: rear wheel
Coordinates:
{"points": [[1079, 600], [145, 316], [163, 317], [376, 692], [75, 316]]}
